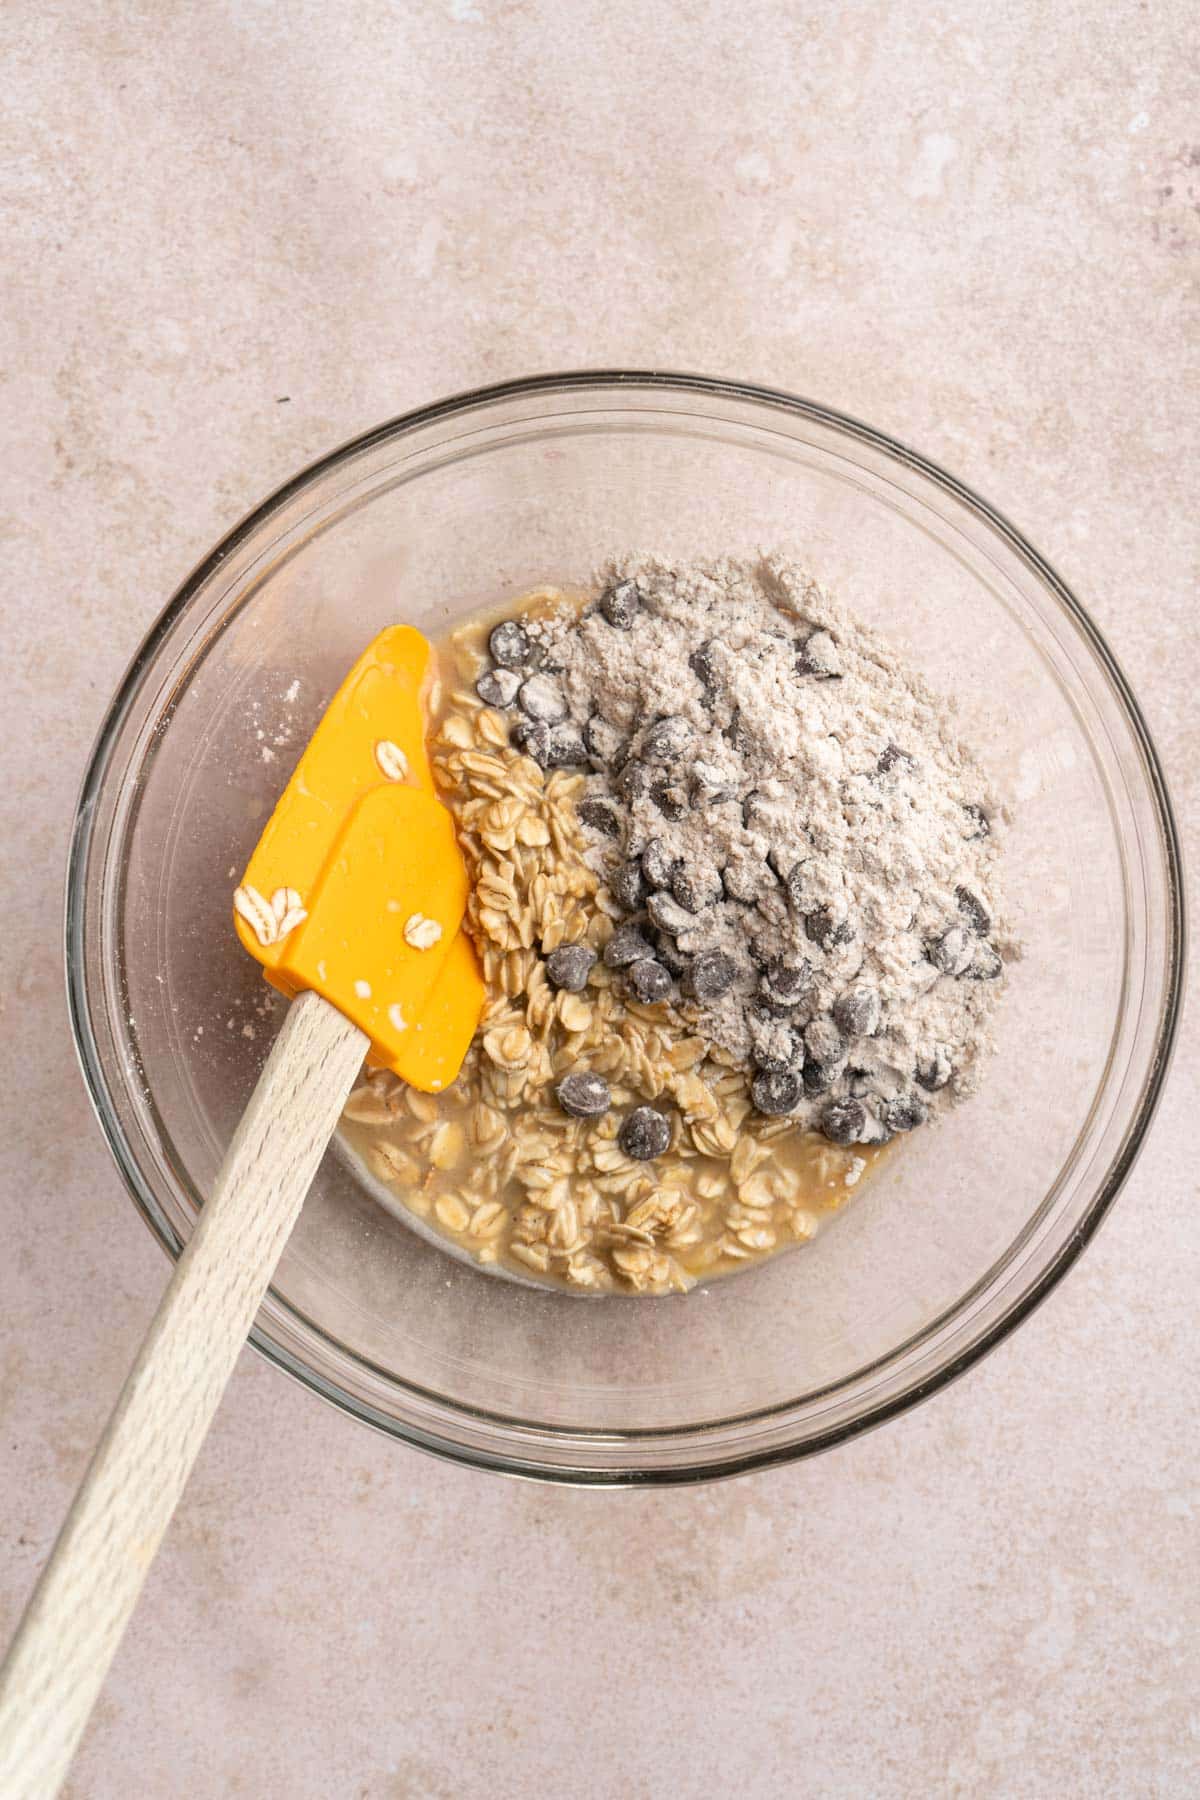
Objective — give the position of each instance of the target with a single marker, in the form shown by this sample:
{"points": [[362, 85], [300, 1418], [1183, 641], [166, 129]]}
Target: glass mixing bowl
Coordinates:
{"points": [[463, 505]]}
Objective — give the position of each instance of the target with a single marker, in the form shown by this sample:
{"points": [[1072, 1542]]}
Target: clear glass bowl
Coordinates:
{"points": [[462, 505]]}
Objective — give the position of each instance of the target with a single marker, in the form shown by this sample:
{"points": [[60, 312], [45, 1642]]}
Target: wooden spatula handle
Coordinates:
{"points": [[73, 1624]]}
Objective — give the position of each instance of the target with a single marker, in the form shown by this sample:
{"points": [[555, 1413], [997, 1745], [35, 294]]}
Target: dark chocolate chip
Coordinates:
{"points": [[644, 1134], [667, 740], [844, 1121], [627, 944], [628, 886], [603, 741], [711, 974], [951, 953], [905, 1113], [934, 1067], [977, 820], [858, 1011], [621, 603], [702, 661], [566, 747], [709, 786], [511, 646], [649, 980], [569, 966], [633, 782], [599, 816], [895, 758], [818, 655], [532, 738], [773, 1043], [658, 865], [667, 952], [499, 688], [784, 983], [668, 915], [822, 928], [542, 698], [696, 887], [745, 879], [776, 1092], [670, 799], [985, 964], [973, 911], [584, 1096], [824, 1043]]}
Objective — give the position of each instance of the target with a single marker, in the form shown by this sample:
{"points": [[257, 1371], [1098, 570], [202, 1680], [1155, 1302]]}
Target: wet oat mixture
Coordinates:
{"points": [[736, 898]]}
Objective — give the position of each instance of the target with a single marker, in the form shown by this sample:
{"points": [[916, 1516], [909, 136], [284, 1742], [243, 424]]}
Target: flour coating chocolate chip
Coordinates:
{"points": [[599, 816], [511, 645], [644, 1134], [951, 953], [627, 944], [628, 886], [668, 915], [603, 741], [666, 740], [711, 974], [974, 912], [784, 984], [569, 966], [696, 887], [858, 1011], [584, 1096], [540, 697], [566, 747], [621, 604], [905, 1113], [658, 865], [499, 688], [844, 1121], [649, 980], [670, 799], [532, 738], [934, 1067], [776, 1092]]}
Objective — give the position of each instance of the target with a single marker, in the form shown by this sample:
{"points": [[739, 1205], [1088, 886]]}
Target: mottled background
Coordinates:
{"points": [[237, 233]]}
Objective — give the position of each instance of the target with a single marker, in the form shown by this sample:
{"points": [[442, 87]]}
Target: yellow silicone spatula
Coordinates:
{"points": [[353, 903]]}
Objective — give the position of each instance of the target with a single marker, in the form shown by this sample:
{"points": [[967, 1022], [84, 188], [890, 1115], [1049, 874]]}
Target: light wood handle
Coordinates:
{"points": [[58, 1660]]}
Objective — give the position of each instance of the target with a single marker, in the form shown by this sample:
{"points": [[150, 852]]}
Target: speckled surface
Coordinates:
{"points": [[237, 234]]}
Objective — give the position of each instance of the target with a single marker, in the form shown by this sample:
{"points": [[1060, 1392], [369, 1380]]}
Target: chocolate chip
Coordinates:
{"points": [[670, 800], [709, 786], [905, 1113], [985, 964], [895, 758], [633, 782], [603, 741], [702, 661], [821, 928], [649, 980], [667, 952], [599, 816], [658, 865], [569, 966], [566, 747], [858, 1011], [773, 1043], [627, 944], [824, 1043], [746, 878], [712, 974], [951, 953], [621, 603], [532, 738], [644, 1134], [934, 1067], [499, 688], [628, 886], [818, 655], [696, 887], [668, 915], [584, 1096], [785, 983], [973, 911], [511, 646], [978, 823], [542, 698], [776, 1092], [844, 1121], [666, 740]]}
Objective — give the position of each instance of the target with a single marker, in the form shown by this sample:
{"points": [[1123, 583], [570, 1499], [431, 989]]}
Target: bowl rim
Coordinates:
{"points": [[917, 1387]]}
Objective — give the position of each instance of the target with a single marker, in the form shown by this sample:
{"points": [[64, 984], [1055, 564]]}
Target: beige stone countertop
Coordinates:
{"points": [[237, 233]]}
